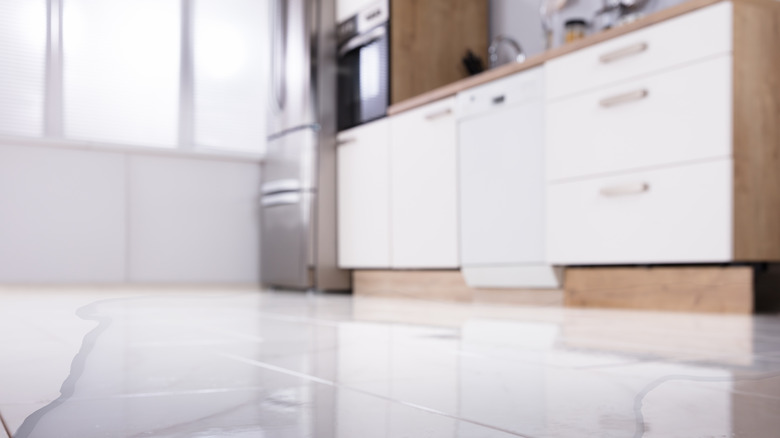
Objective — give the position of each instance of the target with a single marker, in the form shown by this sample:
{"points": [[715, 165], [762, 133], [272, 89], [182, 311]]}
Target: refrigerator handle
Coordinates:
{"points": [[279, 52], [280, 199]]}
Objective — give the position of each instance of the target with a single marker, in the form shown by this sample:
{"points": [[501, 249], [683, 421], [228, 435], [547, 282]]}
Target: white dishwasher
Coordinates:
{"points": [[502, 184]]}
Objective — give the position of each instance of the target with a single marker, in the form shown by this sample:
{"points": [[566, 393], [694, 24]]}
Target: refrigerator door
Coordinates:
{"points": [[291, 98], [286, 242], [290, 162]]}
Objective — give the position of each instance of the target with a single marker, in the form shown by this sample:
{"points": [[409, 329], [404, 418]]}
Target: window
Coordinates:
{"points": [[22, 66], [161, 73], [229, 67], [121, 71]]}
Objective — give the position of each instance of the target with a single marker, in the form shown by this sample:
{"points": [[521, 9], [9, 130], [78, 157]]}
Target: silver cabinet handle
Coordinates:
{"points": [[624, 98], [439, 114], [625, 189], [345, 141], [623, 53]]}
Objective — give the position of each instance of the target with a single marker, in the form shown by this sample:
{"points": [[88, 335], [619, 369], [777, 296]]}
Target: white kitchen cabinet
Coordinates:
{"points": [[677, 214], [424, 187], [364, 196], [502, 183], [660, 152], [673, 43], [678, 116]]}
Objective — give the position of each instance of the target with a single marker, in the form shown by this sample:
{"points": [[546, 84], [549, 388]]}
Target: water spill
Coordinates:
{"points": [[289, 365]]}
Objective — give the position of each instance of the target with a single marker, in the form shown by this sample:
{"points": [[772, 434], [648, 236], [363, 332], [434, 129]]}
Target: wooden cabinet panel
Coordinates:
{"points": [[424, 187], [756, 96], [428, 40]]}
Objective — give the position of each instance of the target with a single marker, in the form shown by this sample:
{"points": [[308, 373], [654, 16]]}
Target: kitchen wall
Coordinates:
{"points": [[84, 216], [519, 19]]}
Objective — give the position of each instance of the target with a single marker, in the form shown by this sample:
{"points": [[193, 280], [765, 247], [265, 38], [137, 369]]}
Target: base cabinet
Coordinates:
{"points": [[424, 187], [672, 215], [364, 196], [674, 165]]}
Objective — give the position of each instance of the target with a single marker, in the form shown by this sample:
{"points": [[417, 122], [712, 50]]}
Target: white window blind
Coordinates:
{"points": [[22, 66], [163, 73], [230, 40], [121, 71]]}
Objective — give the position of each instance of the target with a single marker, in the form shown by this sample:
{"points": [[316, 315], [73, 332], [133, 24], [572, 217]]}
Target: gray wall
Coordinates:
{"points": [[520, 20], [85, 217]]}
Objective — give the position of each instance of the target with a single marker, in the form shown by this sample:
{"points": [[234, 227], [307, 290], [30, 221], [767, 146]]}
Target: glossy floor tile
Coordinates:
{"points": [[231, 363]]}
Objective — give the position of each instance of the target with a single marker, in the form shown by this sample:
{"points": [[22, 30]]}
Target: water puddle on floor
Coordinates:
{"points": [[301, 365]]}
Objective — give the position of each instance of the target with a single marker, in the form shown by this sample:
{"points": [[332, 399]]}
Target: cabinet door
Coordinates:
{"points": [[424, 187], [364, 196]]}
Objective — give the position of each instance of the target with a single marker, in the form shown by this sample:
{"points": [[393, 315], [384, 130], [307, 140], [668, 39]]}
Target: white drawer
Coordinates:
{"points": [[674, 117], [673, 215], [508, 91], [687, 38]]}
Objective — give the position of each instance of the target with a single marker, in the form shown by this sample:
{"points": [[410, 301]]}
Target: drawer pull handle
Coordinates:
{"points": [[499, 99], [345, 141], [624, 98], [625, 189], [623, 53], [439, 114]]}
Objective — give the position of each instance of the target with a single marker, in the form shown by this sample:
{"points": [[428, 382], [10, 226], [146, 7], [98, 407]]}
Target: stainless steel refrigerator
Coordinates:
{"points": [[298, 204]]}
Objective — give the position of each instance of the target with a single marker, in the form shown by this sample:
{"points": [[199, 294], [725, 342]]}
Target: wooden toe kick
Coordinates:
{"points": [[720, 289], [738, 289]]}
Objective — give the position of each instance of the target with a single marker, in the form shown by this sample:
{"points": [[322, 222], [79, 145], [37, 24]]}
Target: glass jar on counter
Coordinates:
{"points": [[575, 29]]}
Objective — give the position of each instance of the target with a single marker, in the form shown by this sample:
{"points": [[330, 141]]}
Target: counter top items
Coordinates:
{"points": [[473, 63], [495, 51], [547, 11], [576, 29]]}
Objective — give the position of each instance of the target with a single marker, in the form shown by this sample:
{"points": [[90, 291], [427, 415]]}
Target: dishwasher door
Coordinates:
{"points": [[502, 186]]}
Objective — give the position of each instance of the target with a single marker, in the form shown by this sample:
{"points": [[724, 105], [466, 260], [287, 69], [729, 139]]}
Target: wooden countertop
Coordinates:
{"points": [[534, 61]]}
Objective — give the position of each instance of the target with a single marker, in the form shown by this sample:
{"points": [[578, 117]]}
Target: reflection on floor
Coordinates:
{"points": [[121, 363]]}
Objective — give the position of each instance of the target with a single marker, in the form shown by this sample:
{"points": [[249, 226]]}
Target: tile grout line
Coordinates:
{"points": [[5, 426], [360, 391]]}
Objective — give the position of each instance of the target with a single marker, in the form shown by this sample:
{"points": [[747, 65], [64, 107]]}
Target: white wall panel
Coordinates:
{"points": [[193, 221], [62, 216]]}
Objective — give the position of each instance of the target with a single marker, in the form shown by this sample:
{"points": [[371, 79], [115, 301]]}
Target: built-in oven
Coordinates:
{"points": [[364, 66]]}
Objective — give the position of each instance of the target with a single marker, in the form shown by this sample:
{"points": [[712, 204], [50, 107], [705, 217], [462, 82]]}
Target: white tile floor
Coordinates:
{"points": [[122, 363]]}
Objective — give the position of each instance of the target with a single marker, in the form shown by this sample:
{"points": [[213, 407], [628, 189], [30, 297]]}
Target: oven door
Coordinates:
{"points": [[364, 83]]}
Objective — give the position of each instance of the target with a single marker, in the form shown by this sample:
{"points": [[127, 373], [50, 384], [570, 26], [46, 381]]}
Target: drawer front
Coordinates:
{"points": [[687, 38], [505, 92], [674, 215], [674, 117]]}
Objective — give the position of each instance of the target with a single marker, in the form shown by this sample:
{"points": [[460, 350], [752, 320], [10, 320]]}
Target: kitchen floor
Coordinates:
{"points": [[118, 362]]}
